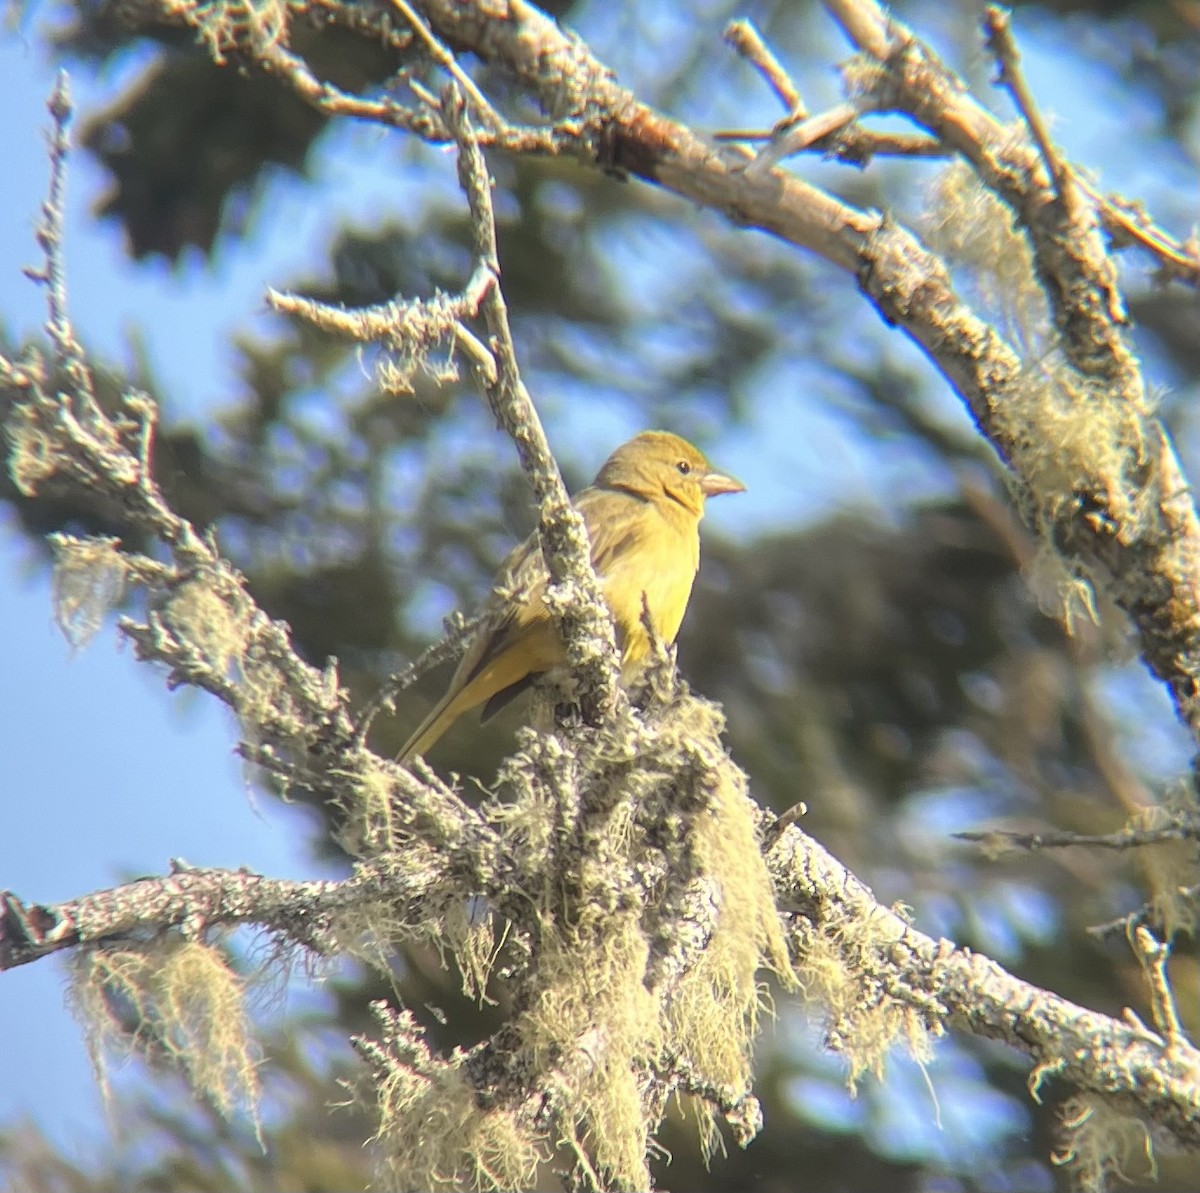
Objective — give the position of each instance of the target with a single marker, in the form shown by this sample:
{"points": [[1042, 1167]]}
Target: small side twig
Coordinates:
{"points": [[1152, 955], [448, 62], [1127, 223], [852, 144], [50, 239], [1147, 913], [739, 1108], [1127, 838], [1000, 41], [409, 330], [458, 631], [833, 131], [796, 138], [748, 42]]}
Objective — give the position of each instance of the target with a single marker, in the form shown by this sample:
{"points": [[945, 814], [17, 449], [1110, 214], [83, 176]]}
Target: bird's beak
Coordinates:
{"points": [[712, 484]]}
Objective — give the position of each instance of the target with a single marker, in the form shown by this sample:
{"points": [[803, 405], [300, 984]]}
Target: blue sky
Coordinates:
{"points": [[104, 775]]}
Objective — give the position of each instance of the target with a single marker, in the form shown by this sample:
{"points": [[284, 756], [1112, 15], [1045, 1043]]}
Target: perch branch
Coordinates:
{"points": [[574, 595]]}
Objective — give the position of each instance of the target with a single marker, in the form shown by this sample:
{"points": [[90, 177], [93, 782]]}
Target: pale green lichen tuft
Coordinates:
{"points": [[1097, 1143], [1077, 445], [173, 999], [88, 582]]}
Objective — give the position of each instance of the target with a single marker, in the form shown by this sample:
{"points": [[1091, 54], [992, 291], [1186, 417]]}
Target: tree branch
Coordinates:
{"points": [[950, 985], [574, 596], [199, 899], [1127, 838]]}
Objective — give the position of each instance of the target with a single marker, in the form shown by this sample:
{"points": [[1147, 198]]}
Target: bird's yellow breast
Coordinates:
{"points": [[658, 571]]}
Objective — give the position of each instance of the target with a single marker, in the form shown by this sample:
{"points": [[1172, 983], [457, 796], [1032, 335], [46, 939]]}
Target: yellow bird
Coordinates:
{"points": [[642, 514]]}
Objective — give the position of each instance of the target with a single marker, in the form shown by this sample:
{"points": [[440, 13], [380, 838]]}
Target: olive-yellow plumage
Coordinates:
{"points": [[642, 514]]}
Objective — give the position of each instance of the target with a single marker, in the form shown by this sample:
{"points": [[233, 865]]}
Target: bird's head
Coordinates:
{"points": [[658, 464]]}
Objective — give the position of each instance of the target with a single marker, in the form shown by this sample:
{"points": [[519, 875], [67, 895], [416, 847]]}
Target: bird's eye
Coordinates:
{"points": [[684, 467]]}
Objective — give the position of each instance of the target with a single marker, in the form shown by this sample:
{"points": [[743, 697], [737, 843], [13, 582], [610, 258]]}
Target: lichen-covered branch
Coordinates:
{"points": [[1121, 504], [196, 900], [949, 986], [574, 596]]}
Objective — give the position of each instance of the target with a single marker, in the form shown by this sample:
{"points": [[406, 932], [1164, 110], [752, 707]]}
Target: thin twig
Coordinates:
{"points": [[1128, 838], [1125, 222], [998, 26], [796, 138], [458, 631], [748, 42], [1147, 913], [852, 144], [50, 234], [277, 60], [51, 239], [448, 62], [478, 351], [422, 120], [1152, 955]]}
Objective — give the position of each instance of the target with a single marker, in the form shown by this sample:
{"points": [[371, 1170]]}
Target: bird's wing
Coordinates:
{"points": [[613, 519], [517, 640]]}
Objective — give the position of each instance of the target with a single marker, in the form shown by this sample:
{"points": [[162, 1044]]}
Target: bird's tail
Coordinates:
{"points": [[492, 681], [440, 717]]}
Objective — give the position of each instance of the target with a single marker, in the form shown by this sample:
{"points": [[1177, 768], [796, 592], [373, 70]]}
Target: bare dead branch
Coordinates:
{"points": [[875, 31], [748, 42], [1128, 838], [998, 26], [458, 632]]}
